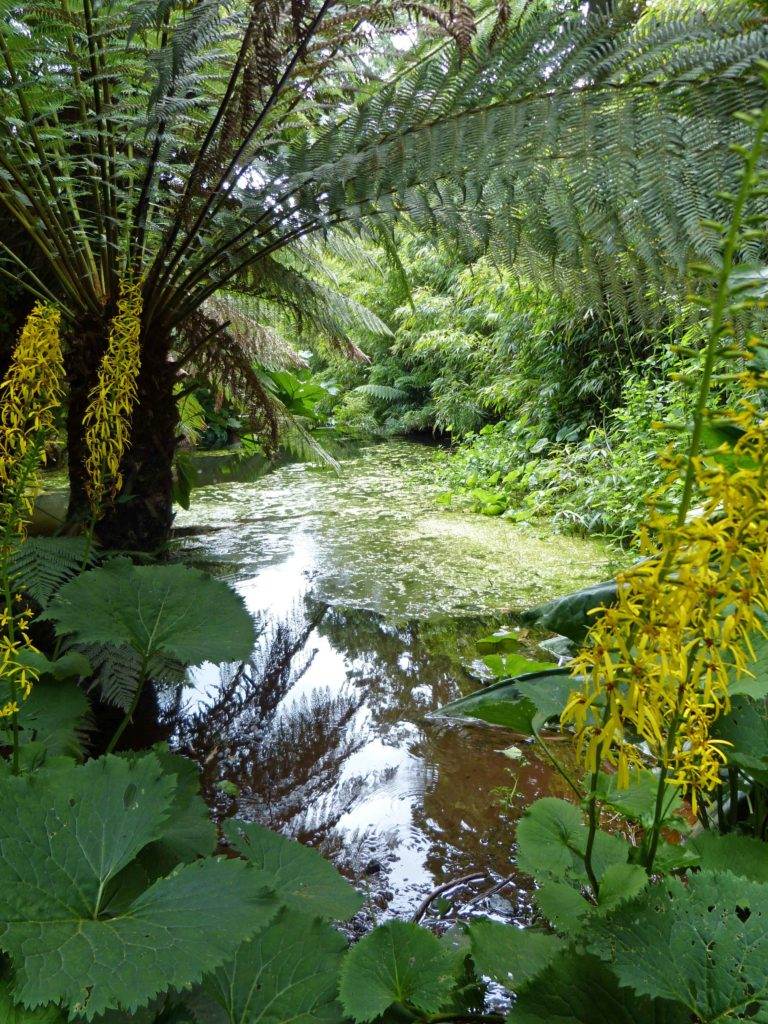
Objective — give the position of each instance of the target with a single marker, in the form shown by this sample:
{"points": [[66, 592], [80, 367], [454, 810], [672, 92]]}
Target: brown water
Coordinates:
{"points": [[369, 598]]}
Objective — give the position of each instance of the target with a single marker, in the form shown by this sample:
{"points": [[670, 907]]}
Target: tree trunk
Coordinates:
{"points": [[84, 352], [140, 517]]}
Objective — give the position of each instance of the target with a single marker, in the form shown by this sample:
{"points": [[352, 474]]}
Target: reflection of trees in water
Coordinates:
{"points": [[287, 755], [285, 761], [394, 663], [474, 796]]}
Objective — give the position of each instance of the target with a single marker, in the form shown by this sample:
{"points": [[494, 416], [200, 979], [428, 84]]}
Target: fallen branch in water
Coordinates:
{"points": [[476, 876]]}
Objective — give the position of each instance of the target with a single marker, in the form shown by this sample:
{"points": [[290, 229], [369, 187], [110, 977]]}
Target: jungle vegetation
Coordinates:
{"points": [[182, 181], [187, 149]]}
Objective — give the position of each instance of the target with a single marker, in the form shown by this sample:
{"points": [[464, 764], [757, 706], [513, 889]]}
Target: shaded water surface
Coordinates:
{"points": [[369, 597]]}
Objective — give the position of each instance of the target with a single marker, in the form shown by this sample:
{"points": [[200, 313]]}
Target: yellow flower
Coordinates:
{"points": [[29, 396], [19, 678], [108, 417], [655, 671]]}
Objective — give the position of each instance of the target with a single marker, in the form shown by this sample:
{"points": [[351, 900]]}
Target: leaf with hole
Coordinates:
{"points": [[702, 943], [578, 989]]}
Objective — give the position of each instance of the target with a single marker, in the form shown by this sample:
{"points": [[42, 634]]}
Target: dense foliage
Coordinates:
{"points": [[185, 151], [120, 899]]}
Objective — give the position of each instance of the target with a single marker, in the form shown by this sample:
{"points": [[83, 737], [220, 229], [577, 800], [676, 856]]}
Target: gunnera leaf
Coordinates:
{"points": [[65, 836], [170, 610], [400, 963], [577, 989], [702, 943], [288, 973], [301, 878], [510, 955]]}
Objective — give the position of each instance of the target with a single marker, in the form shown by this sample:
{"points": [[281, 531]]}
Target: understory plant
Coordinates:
{"points": [[120, 900]]}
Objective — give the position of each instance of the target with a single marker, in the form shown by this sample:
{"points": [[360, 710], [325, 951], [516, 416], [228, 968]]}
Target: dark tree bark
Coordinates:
{"points": [[84, 352], [140, 517]]}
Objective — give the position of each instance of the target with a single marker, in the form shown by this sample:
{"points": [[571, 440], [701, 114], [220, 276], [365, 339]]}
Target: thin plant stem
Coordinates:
{"points": [[128, 717], [558, 766], [592, 813]]}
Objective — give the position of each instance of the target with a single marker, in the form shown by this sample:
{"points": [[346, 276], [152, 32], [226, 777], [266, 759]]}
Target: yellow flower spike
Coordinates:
{"points": [[108, 417], [665, 654], [30, 393]]}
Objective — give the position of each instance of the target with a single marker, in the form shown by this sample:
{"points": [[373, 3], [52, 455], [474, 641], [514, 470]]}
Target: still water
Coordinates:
{"points": [[369, 597]]}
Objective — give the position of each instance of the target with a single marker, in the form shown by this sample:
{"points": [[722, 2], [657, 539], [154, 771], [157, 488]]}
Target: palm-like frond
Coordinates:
{"points": [[594, 144]]}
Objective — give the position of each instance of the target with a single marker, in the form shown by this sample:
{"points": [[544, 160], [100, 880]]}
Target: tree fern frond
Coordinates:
{"points": [[40, 565], [382, 392]]}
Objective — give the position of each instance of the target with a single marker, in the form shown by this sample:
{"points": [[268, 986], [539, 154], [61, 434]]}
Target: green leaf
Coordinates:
{"points": [[741, 855], [562, 905], [552, 840], [620, 882], [397, 963], [745, 729], [505, 665], [573, 614], [511, 955], [755, 684], [72, 665], [286, 974], [523, 703], [498, 643], [548, 692], [703, 944], [638, 801], [57, 717], [169, 610], [580, 990], [499, 704], [12, 1013], [189, 831], [65, 835], [299, 875]]}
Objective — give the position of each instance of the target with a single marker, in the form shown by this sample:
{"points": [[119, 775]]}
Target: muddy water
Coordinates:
{"points": [[369, 597]]}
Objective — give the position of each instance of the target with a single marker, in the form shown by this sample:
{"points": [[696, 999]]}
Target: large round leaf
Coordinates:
{"points": [[702, 942], [169, 610], [78, 929]]}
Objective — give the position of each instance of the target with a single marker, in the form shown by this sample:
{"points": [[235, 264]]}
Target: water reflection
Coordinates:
{"points": [[324, 736], [358, 585]]}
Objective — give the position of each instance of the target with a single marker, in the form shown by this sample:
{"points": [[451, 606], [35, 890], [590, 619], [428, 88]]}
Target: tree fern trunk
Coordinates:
{"points": [[84, 351], [140, 518]]}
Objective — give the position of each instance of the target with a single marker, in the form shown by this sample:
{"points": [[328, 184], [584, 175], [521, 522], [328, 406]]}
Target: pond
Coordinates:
{"points": [[369, 596]]}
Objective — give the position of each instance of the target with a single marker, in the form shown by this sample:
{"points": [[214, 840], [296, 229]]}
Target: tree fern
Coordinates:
{"points": [[382, 392], [40, 565], [192, 146]]}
